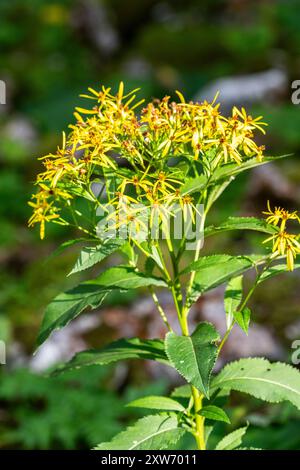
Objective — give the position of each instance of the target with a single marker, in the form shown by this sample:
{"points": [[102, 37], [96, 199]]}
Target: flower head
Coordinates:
{"points": [[283, 243]]}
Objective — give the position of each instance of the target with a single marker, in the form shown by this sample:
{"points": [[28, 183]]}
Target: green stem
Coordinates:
{"points": [[244, 303], [160, 309], [199, 432]]}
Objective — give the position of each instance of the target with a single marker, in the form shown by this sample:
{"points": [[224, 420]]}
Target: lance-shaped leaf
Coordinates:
{"points": [[211, 271], [233, 297], [275, 270], [67, 306], [258, 377], [232, 440], [243, 318], [126, 277], [154, 402], [241, 223], [215, 413], [154, 432], [120, 350], [194, 356], [229, 170], [232, 169], [91, 255], [194, 184]]}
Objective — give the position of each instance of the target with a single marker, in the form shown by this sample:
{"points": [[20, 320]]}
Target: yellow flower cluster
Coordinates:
{"points": [[138, 148], [284, 243]]}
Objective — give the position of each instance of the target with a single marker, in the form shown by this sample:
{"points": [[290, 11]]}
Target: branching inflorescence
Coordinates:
{"points": [[134, 170]]}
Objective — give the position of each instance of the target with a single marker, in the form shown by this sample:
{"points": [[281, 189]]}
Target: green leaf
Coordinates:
{"points": [[224, 172], [275, 270], [233, 297], [243, 319], [157, 403], [154, 432], [232, 169], [241, 223], [232, 440], [194, 184], [183, 391], [120, 350], [215, 413], [211, 271], [68, 305], [91, 255], [258, 377], [67, 244], [194, 356], [126, 277]]}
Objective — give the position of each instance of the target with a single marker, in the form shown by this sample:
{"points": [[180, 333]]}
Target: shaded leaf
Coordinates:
{"points": [[275, 270], [232, 169], [233, 297], [243, 318], [211, 271], [91, 255], [120, 350], [68, 305]]}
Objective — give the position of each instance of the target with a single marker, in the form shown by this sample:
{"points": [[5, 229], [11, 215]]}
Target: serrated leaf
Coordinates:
{"points": [[243, 319], [157, 403], [91, 255], [275, 270], [183, 391], [258, 377], [232, 440], [120, 350], [126, 277], [215, 413], [233, 297], [68, 305], [211, 271], [194, 184], [224, 172], [67, 244], [154, 432], [194, 356], [232, 169], [241, 223]]}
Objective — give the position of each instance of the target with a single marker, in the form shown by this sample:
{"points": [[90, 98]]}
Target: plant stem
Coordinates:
{"points": [[244, 303], [199, 420], [160, 309], [199, 433]]}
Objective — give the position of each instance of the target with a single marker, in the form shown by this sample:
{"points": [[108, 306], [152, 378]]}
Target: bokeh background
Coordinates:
{"points": [[50, 51]]}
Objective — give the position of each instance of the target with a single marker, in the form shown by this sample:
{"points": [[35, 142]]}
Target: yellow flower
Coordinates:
{"points": [[43, 212], [284, 243], [110, 131], [279, 215]]}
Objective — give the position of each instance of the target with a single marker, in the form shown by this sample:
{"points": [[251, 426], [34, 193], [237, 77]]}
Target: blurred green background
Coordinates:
{"points": [[50, 52]]}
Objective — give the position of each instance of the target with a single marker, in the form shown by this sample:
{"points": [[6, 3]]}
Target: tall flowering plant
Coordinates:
{"points": [[142, 183]]}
